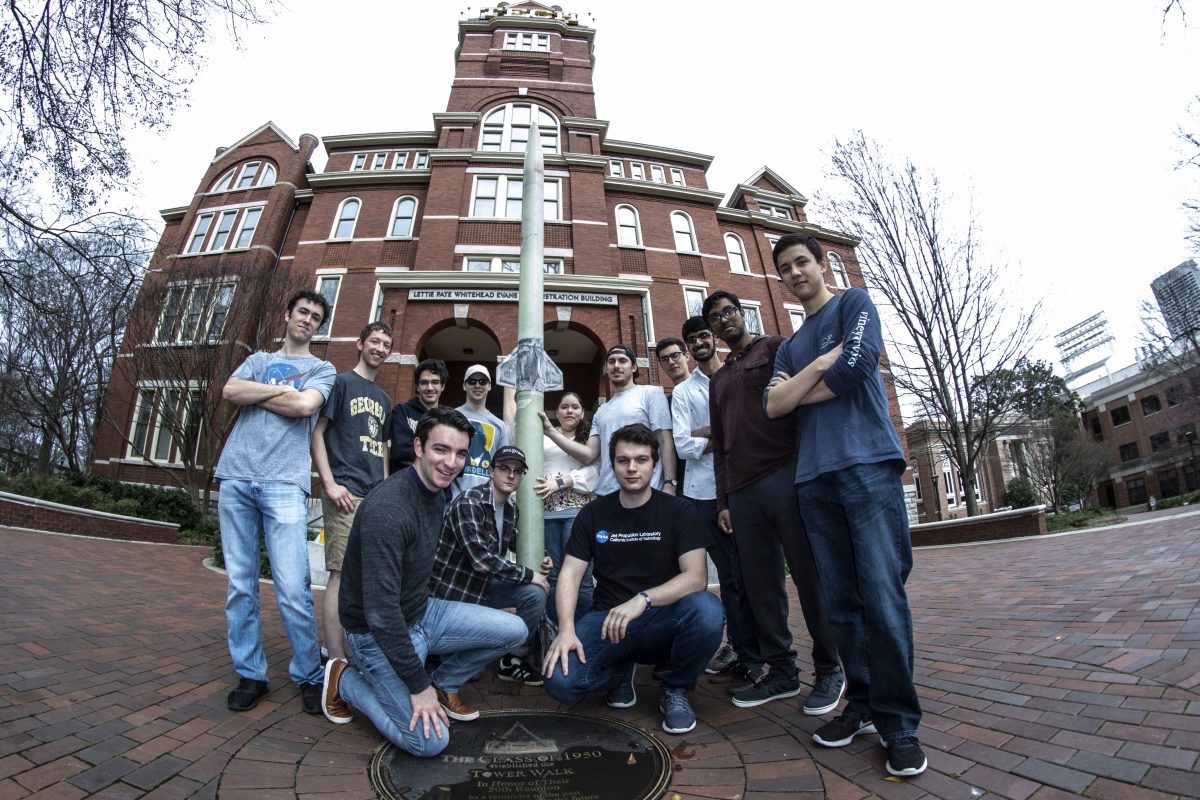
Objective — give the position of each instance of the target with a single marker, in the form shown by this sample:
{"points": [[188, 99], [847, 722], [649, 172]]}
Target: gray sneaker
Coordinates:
{"points": [[772, 687], [827, 692], [678, 716], [623, 695], [724, 657]]}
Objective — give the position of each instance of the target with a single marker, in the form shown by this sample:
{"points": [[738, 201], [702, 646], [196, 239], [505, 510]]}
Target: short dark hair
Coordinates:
{"points": [[439, 415], [693, 325], [667, 341], [793, 239], [712, 299], [382, 327], [637, 433], [434, 365], [313, 297]]}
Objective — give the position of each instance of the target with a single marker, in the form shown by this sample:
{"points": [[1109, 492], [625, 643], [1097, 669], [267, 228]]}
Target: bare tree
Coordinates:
{"points": [[953, 321], [183, 341], [75, 77], [63, 320], [1175, 358]]}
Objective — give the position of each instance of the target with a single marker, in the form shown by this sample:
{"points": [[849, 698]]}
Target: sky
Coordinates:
{"points": [[1057, 119]]}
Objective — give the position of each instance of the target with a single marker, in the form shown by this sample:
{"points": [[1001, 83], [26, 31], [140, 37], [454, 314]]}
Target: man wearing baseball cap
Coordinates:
{"points": [[471, 566], [490, 432]]}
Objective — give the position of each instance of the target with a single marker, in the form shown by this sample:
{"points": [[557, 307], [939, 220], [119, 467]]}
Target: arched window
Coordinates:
{"points": [[347, 216], [685, 236], [403, 214], [735, 251], [506, 128], [629, 228], [225, 181], [246, 176], [838, 268]]}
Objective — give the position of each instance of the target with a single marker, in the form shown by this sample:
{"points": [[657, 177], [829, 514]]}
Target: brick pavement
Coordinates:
{"points": [[1056, 667]]}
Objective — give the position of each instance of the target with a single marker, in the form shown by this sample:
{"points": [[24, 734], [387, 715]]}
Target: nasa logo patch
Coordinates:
{"points": [[601, 537]]}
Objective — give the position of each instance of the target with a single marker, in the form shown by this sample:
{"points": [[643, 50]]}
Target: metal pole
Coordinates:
{"points": [[529, 369]]}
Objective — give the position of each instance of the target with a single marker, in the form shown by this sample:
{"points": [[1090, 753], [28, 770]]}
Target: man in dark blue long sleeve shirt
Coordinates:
{"points": [[852, 501], [391, 622]]}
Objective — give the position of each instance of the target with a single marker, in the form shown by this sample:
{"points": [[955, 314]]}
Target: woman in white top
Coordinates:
{"points": [[565, 488]]}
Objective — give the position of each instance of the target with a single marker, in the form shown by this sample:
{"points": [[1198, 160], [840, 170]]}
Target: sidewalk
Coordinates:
{"points": [[1056, 667]]}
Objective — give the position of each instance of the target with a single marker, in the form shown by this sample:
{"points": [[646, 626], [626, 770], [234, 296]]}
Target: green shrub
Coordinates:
{"points": [[1021, 493], [1180, 500], [100, 493]]}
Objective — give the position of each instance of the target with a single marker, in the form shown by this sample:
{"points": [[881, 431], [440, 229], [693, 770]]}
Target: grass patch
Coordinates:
{"points": [[1087, 518]]}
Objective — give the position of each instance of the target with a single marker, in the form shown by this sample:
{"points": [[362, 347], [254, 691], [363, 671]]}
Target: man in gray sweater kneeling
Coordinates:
{"points": [[391, 622]]}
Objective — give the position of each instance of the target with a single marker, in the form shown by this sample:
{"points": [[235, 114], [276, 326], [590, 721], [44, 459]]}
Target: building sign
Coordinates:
{"points": [[509, 296]]}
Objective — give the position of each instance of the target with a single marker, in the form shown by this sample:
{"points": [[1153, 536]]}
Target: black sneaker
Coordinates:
{"points": [[312, 697], [827, 691], [515, 669], [724, 658], [905, 757], [843, 729], [677, 714], [246, 695], [743, 676], [623, 695], [772, 687]]}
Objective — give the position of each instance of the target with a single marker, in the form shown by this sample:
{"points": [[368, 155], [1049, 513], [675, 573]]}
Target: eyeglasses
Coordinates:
{"points": [[510, 470], [696, 338], [669, 357], [478, 381], [717, 316]]}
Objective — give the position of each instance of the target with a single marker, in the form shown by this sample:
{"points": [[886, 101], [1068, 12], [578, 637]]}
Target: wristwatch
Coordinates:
{"points": [[672, 482], [561, 485]]}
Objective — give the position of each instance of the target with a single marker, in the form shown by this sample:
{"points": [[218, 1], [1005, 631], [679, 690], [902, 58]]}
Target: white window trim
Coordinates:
{"points": [[501, 198], [497, 262], [691, 289], [677, 177], [327, 324], [636, 167], [506, 129], [379, 161], [130, 450], [399, 159], [657, 174], [637, 225], [337, 219], [359, 163], [174, 336], [421, 160], [616, 168], [691, 232], [841, 276], [745, 260], [513, 39], [412, 227], [241, 228], [237, 185], [757, 306]]}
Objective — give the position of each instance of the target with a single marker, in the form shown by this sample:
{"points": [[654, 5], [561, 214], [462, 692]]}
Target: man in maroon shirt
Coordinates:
{"points": [[755, 464]]}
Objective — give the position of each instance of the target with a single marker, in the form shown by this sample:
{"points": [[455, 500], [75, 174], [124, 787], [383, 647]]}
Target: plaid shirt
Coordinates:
{"points": [[471, 551]]}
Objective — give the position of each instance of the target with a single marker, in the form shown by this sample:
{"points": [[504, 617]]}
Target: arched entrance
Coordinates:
{"points": [[460, 347]]}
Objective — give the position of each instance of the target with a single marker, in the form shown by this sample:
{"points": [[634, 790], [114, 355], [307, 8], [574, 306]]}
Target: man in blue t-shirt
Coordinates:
{"points": [[851, 499], [265, 476]]}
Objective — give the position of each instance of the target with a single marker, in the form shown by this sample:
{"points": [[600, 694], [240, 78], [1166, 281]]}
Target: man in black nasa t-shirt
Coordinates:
{"points": [[651, 605]]}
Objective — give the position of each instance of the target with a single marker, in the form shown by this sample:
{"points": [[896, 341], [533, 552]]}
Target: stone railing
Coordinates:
{"points": [[1029, 521]]}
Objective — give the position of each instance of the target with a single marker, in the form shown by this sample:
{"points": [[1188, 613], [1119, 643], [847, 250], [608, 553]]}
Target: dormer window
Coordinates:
{"points": [[246, 176], [775, 210]]}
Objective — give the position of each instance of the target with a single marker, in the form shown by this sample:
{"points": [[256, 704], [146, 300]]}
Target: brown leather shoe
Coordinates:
{"points": [[335, 708], [455, 708]]}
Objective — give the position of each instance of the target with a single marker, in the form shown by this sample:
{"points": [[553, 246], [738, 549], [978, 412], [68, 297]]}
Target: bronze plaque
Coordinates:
{"points": [[530, 755]]}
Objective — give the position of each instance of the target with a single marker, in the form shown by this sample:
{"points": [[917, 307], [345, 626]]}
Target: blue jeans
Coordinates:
{"points": [[467, 636], [858, 528], [684, 634], [739, 617], [528, 599], [275, 511], [558, 531]]}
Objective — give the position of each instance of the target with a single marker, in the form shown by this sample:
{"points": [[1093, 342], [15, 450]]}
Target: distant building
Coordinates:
{"points": [[941, 492], [1178, 294], [1147, 421], [421, 229]]}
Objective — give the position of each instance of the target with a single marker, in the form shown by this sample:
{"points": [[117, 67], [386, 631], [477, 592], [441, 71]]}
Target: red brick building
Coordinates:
{"points": [[422, 230]]}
